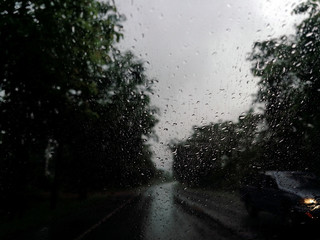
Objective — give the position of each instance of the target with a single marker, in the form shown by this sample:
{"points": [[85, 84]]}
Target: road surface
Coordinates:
{"points": [[167, 211], [156, 215]]}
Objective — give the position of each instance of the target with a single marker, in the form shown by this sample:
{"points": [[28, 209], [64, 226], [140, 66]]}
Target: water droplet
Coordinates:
{"points": [[308, 43]]}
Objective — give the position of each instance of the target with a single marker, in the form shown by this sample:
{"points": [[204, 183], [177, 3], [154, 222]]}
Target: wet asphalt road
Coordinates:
{"points": [[156, 215]]}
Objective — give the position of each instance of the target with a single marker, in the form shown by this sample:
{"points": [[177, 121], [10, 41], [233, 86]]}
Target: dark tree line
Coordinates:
{"points": [[288, 68], [65, 87], [286, 135], [218, 151]]}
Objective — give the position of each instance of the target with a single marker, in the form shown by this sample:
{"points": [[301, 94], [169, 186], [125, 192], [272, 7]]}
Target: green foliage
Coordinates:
{"points": [[286, 135], [288, 68], [217, 153], [62, 81], [126, 122]]}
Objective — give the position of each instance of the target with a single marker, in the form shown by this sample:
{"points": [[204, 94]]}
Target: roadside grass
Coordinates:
{"points": [[228, 195], [224, 193], [39, 214]]}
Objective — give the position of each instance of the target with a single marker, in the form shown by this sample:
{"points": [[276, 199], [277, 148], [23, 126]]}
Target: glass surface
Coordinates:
{"points": [[142, 119], [300, 181]]}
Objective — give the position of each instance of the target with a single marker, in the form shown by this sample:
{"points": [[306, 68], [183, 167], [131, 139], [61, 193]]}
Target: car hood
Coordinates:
{"points": [[304, 193]]}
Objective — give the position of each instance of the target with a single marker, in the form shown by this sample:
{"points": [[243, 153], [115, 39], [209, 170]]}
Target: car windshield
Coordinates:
{"points": [[298, 181], [141, 119]]}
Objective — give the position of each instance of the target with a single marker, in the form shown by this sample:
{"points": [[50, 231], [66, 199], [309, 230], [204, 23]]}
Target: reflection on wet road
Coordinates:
{"points": [[155, 215], [167, 220], [160, 220]]}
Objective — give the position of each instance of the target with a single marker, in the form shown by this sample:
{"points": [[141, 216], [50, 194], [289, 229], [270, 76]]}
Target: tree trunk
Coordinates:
{"points": [[56, 179]]}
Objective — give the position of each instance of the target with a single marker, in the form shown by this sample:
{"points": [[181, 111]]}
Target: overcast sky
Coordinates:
{"points": [[197, 50]]}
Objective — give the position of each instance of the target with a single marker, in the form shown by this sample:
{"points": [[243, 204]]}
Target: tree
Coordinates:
{"points": [[62, 81], [288, 68], [217, 154], [126, 123]]}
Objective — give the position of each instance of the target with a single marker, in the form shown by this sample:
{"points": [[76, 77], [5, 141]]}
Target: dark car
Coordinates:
{"points": [[293, 195]]}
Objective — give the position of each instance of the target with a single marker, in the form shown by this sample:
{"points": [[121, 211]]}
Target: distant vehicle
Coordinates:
{"points": [[293, 195]]}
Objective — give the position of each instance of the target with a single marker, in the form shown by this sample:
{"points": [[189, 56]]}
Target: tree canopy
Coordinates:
{"points": [[286, 134], [65, 87], [217, 152], [288, 69]]}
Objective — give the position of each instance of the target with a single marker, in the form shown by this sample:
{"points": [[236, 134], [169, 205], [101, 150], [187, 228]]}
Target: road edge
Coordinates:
{"points": [[108, 216], [201, 211]]}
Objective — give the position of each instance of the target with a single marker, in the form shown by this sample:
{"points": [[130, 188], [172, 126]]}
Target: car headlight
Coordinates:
{"points": [[309, 201]]}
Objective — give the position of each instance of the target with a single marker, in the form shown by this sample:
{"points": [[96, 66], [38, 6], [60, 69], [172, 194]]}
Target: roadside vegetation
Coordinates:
{"points": [[39, 219], [283, 134], [75, 110]]}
